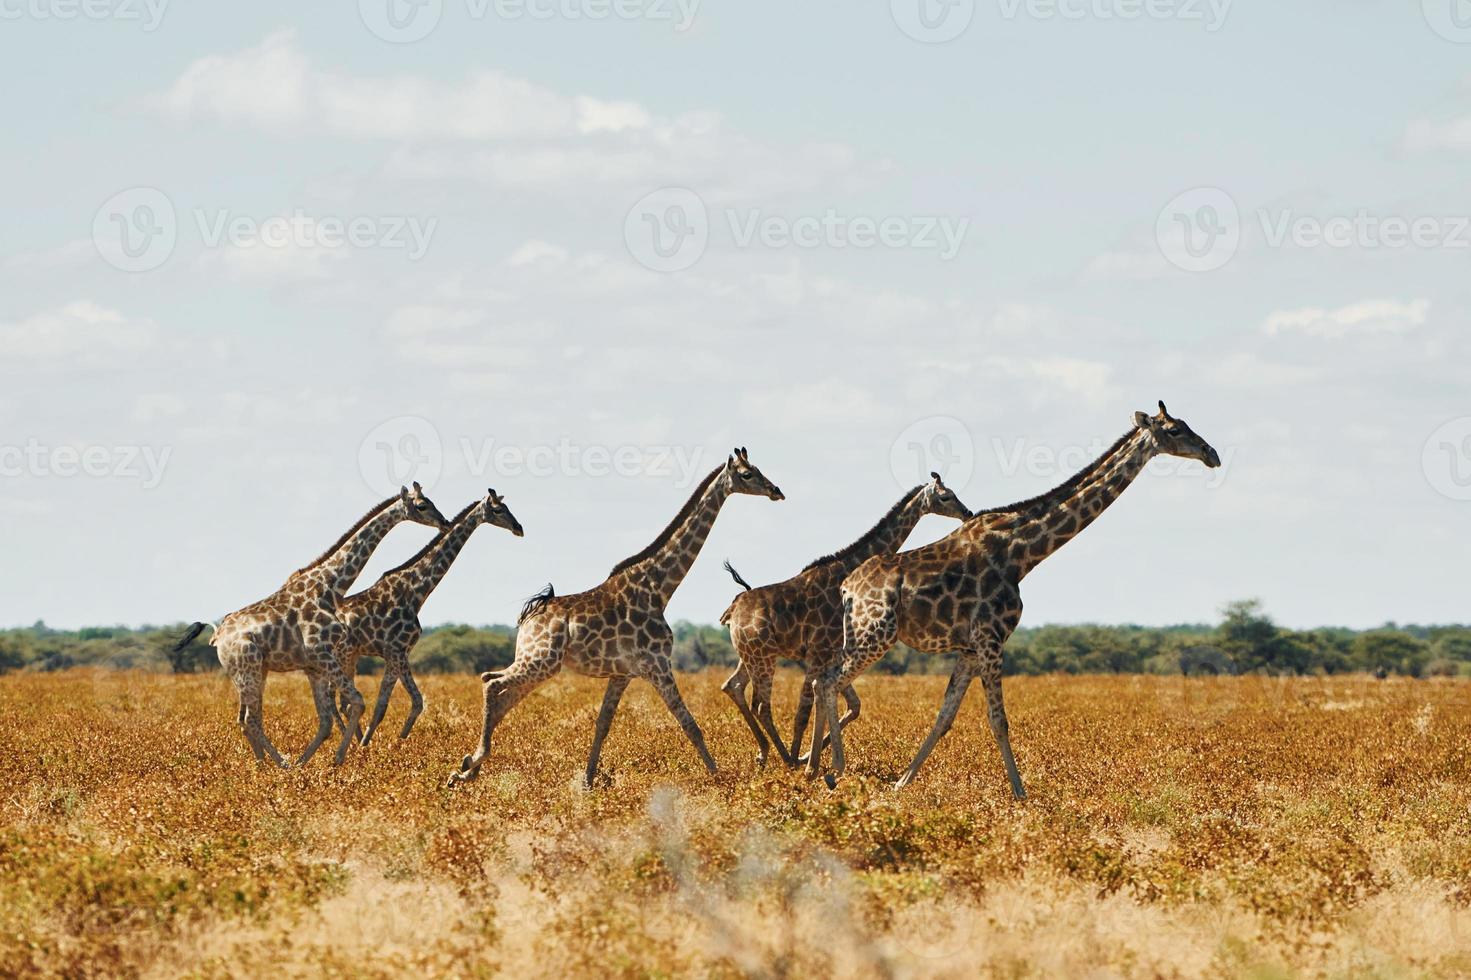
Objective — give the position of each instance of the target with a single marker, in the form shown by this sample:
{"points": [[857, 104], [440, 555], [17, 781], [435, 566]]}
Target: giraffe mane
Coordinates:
{"points": [[453, 522], [1071, 483], [668, 532], [350, 532], [868, 535]]}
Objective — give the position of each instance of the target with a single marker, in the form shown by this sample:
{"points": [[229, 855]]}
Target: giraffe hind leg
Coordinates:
{"points": [[761, 704], [735, 688], [385, 690], [416, 702]]}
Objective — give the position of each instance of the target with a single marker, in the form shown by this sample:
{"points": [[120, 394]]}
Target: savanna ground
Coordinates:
{"points": [[1176, 827]]}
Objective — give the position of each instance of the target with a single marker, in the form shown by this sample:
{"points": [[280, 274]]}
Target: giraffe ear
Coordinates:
{"points": [[1141, 420], [417, 488], [1164, 413], [935, 476]]}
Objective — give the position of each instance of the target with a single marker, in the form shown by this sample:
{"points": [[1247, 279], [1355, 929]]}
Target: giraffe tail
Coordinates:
{"points": [[737, 576], [191, 634], [537, 603]]}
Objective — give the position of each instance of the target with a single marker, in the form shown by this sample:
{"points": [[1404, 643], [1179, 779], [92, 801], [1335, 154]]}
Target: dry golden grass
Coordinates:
{"points": [[1225, 827]]}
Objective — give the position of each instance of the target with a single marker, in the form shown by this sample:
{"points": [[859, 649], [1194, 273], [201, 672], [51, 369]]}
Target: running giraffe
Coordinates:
{"points": [[617, 630]]}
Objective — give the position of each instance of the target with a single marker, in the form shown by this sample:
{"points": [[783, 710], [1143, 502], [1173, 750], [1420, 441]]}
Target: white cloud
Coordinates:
{"points": [[545, 139], [1127, 266], [79, 329], [157, 405], [1366, 317], [536, 250]]}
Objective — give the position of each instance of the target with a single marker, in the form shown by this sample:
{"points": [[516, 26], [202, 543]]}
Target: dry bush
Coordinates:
{"points": [[1204, 827]]}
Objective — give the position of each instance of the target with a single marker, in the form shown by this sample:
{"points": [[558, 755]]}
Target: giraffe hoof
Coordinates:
{"points": [[831, 781]]}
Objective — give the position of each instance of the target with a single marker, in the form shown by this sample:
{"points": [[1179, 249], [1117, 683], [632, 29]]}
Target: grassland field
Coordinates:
{"points": [[1176, 827]]}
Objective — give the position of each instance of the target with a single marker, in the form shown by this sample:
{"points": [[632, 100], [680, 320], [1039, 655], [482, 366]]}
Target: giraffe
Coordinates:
{"points": [[383, 619], [296, 627], [617, 630], [963, 592], [801, 618]]}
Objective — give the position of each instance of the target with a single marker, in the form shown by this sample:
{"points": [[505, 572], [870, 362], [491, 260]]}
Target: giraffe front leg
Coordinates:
{"points": [[502, 692], [322, 696], [348, 690], [803, 715], [735, 687], [996, 715], [662, 677], [385, 690], [611, 697], [416, 702], [960, 678]]}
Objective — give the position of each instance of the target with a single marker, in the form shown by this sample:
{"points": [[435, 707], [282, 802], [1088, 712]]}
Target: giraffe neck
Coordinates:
{"points": [[339, 569], [887, 537], [665, 569], [1035, 540], [1025, 510], [423, 576]]}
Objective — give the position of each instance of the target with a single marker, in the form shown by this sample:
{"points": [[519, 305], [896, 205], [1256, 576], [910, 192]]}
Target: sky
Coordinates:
{"points": [[265, 262]]}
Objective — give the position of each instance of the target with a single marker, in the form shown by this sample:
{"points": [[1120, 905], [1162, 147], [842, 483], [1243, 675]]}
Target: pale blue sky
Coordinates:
{"points": [[1064, 152]]}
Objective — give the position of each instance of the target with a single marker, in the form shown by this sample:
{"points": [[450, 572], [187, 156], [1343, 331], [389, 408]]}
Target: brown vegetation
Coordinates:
{"points": [[1177, 827]]}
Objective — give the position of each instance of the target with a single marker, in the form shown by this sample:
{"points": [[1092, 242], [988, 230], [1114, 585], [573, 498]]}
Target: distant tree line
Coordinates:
{"points": [[1246, 640]]}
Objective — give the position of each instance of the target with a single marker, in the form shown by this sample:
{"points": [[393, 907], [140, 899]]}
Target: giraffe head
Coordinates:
{"points": [[420, 509], [742, 477], [498, 514], [1174, 437], [936, 498]]}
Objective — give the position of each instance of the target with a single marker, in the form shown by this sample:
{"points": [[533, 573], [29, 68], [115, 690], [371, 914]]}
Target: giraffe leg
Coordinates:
{"points": [[416, 702], [255, 731], [804, 714], [348, 690], [960, 678], [502, 692], [611, 697], [854, 706], [385, 689], [663, 681], [735, 687], [326, 714], [761, 704], [821, 688], [996, 715]]}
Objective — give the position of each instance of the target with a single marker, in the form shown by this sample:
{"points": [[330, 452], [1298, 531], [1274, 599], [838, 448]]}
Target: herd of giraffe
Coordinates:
{"points": [[836, 617]]}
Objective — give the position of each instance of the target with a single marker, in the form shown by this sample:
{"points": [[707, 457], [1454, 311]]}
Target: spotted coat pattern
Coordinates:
{"points": [[963, 592]]}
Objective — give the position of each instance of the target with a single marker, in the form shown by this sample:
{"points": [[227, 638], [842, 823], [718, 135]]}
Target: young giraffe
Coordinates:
{"points": [[801, 618], [963, 592], [296, 627], [383, 619], [617, 630]]}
